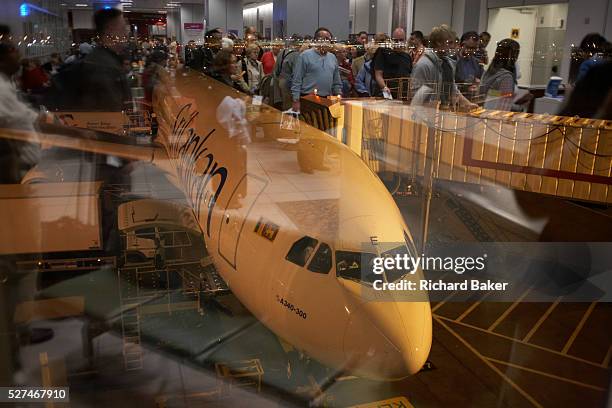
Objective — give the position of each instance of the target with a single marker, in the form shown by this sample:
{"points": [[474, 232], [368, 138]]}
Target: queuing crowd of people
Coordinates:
{"points": [[437, 67]]}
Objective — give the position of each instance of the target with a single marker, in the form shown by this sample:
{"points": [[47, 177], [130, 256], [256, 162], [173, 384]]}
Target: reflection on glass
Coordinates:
{"points": [[356, 266]]}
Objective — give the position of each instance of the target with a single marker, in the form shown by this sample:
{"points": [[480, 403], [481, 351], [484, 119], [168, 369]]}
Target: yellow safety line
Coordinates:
{"points": [[441, 303], [503, 336], [544, 374], [586, 315], [471, 308], [541, 320], [491, 365], [508, 311]]}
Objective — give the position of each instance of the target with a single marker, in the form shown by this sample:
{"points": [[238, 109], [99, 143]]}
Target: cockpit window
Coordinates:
{"points": [[322, 259], [301, 250], [349, 265], [395, 274]]}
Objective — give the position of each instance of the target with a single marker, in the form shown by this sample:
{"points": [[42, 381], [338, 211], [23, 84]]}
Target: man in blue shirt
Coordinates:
{"points": [[316, 68], [468, 70]]}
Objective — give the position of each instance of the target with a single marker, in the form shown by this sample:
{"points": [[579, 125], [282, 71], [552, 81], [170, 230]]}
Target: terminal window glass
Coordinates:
{"points": [[349, 265], [301, 250], [322, 259], [409, 244]]}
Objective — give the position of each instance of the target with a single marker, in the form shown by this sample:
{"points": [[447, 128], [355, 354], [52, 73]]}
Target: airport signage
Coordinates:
{"points": [[194, 26]]}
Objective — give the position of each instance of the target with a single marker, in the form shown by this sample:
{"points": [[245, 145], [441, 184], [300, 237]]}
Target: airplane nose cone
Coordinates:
{"points": [[388, 340]]}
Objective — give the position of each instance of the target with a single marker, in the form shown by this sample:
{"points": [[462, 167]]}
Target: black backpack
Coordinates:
{"points": [[284, 55]]}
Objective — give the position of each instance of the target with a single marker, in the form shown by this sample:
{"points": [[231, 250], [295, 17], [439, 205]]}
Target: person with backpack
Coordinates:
{"points": [[283, 72], [433, 77]]}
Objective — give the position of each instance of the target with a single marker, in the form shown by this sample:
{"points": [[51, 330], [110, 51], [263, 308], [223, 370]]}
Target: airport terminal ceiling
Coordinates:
{"points": [[383, 203]]}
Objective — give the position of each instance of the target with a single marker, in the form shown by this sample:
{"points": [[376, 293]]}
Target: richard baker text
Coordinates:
{"points": [[439, 285]]}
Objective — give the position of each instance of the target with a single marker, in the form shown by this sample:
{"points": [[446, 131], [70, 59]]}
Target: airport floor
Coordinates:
{"points": [[484, 354], [514, 354]]}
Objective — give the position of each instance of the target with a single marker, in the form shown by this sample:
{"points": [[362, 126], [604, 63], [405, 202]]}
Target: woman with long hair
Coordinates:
{"points": [[499, 82]]}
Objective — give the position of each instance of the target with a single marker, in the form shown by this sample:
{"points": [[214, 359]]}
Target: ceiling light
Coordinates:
{"points": [[24, 10]]}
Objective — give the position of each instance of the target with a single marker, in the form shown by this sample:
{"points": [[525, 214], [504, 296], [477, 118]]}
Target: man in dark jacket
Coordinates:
{"points": [[103, 81], [210, 49], [98, 82]]}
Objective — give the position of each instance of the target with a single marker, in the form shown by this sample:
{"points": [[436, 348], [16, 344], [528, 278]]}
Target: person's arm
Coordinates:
{"points": [[245, 71], [360, 85], [418, 76], [354, 67], [296, 82], [241, 85], [378, 77], [378, 62], [485, 57], [337, 82], [462, 102], [480, 71]]}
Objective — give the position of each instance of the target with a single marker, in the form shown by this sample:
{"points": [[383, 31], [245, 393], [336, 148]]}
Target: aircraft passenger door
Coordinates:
{"points": [[240, 204]]}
